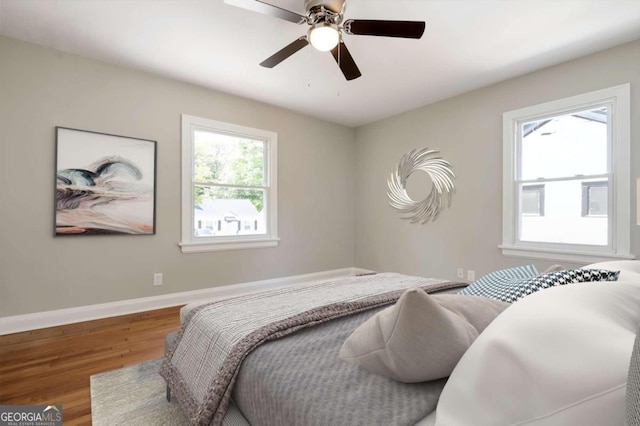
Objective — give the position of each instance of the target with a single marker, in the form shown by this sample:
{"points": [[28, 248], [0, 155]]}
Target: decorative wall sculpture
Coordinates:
{"points": [[442, 189]]}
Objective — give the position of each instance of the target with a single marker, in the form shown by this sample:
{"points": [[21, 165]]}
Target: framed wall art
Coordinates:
{"points": [[105, 184]]}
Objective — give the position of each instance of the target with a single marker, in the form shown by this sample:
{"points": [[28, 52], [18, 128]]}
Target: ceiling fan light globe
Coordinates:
{"points": [[324, 37]]}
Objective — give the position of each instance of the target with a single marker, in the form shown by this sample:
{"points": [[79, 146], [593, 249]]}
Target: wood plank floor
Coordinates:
{"points": [[52, 366]]}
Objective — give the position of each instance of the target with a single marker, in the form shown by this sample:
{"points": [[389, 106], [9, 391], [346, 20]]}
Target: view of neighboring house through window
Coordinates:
{"points": [[533, 200], [230, 176], [566, 152], [595, 198], [565, 162]]}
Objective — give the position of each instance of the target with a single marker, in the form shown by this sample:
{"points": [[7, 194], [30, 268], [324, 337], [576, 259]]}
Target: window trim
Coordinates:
{"points": [[188, 243], [618, 99]]}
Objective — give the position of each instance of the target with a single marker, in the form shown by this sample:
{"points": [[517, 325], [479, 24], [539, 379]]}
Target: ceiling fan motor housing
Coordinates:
{"points": [[329, 11]]}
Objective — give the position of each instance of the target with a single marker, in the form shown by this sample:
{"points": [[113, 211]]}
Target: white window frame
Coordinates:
{"points": [[189, 243], [618, 100]]}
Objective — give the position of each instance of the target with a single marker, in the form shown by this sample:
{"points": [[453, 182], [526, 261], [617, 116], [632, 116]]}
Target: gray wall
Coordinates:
{"points": [[42, 88], [467, 130]]}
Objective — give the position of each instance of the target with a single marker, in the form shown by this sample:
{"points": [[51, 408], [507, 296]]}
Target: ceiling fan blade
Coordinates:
{"points": [[404, 29], [285, 52], [268, 9], [345, 61]]}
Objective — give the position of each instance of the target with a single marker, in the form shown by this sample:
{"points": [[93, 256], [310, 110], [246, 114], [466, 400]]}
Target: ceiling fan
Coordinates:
{"points": [[326, 25]]}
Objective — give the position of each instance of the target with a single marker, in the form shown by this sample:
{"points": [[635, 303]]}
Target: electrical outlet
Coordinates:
{"points": [[471, 275], [461, 273], [157, 278]]}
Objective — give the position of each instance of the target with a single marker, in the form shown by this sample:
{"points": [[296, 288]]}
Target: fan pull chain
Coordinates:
{"points": [[339, 50], [309, 67]]}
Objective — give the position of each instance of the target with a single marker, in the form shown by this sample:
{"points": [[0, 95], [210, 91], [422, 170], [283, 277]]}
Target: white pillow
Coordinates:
{"points": [[633, 386], [557, 357], [421, 337]]}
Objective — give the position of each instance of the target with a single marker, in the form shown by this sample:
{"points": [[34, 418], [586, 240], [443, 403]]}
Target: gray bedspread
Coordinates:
{"points": [[299, 380], [202, 365]]}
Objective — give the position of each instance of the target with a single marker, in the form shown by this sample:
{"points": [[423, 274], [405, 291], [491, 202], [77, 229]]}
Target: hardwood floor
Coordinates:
{"points": [[53, 365]]}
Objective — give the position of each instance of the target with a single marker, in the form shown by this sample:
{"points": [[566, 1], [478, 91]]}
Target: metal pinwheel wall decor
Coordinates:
{"points": [[442, 189]]}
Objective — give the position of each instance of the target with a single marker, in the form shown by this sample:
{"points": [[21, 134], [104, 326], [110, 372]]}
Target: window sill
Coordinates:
{"points": [[205, 246], [562, 255]]}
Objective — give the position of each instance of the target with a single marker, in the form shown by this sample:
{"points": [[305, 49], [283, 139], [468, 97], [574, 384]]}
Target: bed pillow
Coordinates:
{"points": [[560, 356], [629, 269], [633, 386], [511, 290], [421, 337], [493, 284], [554, 268]]}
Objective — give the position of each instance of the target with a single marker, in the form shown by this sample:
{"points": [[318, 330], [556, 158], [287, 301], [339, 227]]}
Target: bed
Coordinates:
{"points": [[303, 355]]}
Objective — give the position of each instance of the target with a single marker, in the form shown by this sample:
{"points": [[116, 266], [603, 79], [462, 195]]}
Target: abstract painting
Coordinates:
{"points": [[105, 184]]}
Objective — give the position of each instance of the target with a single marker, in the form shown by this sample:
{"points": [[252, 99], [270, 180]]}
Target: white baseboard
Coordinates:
{"points": [[27, 322]]}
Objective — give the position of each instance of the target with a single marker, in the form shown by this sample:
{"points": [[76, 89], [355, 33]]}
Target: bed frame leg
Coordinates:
{"points": [[168, 342]]}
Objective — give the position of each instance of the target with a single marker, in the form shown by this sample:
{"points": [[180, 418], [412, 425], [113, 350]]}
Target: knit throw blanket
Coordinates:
{"points": [[215, 337]]}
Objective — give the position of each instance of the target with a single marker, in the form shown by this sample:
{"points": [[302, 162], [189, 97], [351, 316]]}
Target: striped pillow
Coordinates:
{"points": [[497, 284]]}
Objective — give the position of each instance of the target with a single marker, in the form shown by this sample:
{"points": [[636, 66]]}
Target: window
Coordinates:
{"points": [[228, 186], [566, 178]]}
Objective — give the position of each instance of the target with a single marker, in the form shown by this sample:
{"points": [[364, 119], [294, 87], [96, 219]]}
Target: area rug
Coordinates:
{"points": [[136, 396], [132, 396]]}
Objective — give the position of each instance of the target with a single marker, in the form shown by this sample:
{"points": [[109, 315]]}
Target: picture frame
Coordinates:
{"points": [[105, 184]]}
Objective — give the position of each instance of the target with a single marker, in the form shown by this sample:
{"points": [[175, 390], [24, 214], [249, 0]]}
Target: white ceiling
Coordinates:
{"points": [[467, 44]]}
